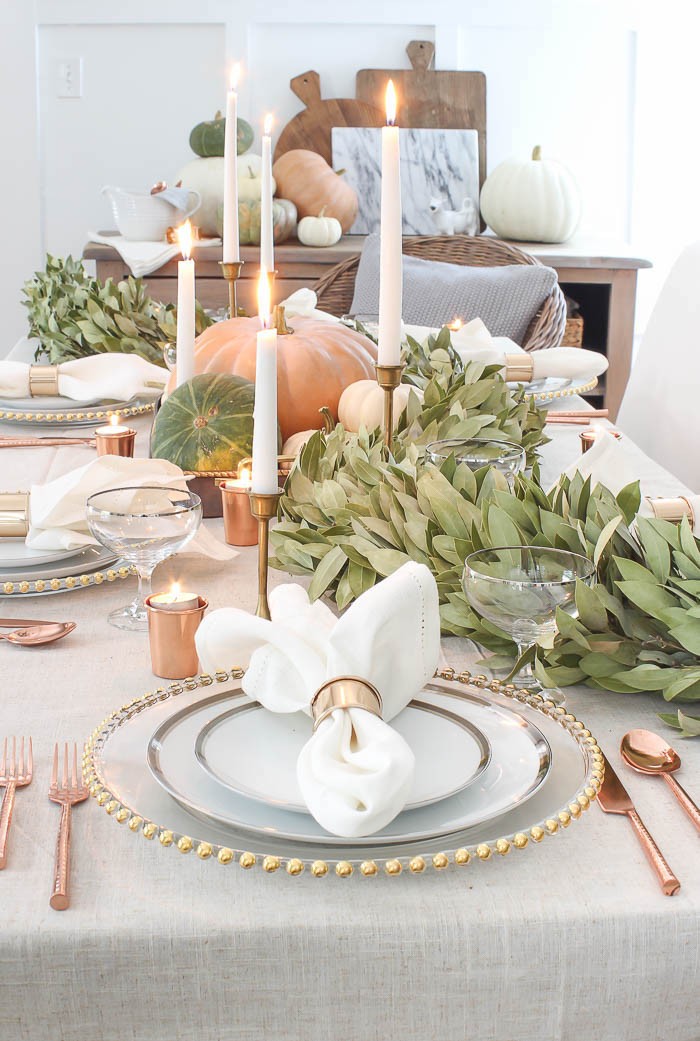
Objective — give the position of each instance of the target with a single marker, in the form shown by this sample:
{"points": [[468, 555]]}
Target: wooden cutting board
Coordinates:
{"points": [[311, 129], [444, 100]]}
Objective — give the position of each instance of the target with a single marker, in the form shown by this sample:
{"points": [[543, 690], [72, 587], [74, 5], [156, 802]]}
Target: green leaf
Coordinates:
{"points": [[328, 570]]}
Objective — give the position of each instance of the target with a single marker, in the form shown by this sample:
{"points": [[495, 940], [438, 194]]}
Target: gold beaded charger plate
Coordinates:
{"points": [[211, 750], [550, 389], [118, 778], [62, 412], [89, 566]]}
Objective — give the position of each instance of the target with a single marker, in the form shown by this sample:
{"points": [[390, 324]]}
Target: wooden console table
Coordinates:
{"points": [[600, 276]]}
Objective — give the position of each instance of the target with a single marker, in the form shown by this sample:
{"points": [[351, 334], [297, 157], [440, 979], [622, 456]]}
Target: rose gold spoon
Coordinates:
{"points": [[650, 754], [34, 635]]}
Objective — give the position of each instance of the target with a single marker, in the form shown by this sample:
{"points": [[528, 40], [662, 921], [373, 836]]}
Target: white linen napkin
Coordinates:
{"points": [[608, 463], [57, 516], [145, 257], [114, 377], [355, 771], [302, 303]]}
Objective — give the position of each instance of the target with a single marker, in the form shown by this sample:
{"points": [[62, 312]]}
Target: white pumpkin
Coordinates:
{"points": [[249, 168], [294, 444], [319, 231], [362, 404], [531, 200], [205, 176]]}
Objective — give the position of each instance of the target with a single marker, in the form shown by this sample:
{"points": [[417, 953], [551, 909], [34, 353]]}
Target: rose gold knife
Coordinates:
{"points": [[613, 798]]}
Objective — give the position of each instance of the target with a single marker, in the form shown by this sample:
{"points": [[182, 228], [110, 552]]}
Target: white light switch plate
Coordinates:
{"points": [[69, 78]]}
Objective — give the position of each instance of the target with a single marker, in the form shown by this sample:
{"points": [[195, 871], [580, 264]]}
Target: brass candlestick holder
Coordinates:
{"points": [[389, 378], [263, 506], [231, 270]]}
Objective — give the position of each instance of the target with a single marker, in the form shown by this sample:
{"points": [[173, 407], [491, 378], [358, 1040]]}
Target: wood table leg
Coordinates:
{"points": [[623, 291]]}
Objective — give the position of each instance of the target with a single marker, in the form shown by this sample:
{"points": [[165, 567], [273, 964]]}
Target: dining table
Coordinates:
{"points": [[568, 939]]}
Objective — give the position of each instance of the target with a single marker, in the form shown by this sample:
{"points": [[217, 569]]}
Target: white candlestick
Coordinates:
{"points": [[185, 321], [231, 252], [265, 478], [267, 250], [390, 262]]}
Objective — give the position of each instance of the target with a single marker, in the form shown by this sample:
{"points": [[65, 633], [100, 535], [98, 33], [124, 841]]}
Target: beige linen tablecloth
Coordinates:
{"points": [[568, 940]]}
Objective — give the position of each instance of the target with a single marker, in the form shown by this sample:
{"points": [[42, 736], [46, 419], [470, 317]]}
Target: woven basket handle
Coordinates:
{"points": [[421, 54]]}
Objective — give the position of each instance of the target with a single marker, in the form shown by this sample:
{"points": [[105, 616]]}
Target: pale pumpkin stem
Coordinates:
{"points": [[339, 173], [278, 320], [328, 421], [218, 115], [323, 211], [537, 152]]}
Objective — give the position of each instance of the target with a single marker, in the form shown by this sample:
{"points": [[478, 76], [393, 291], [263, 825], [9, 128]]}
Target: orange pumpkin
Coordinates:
{"points": [[307, 179], [316, 361]]}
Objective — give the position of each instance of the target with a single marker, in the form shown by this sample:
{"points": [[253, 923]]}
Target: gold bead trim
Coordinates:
{"points": [[294, 866], [43, 585], [61, 417]]}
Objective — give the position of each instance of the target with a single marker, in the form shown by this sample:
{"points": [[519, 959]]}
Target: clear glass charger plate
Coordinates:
{"points": [[86, 567], [62, 412], [552, 388], [118, 777]]}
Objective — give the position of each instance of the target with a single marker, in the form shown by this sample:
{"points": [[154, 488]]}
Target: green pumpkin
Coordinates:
{"points": [[206, 424], [284, 221], [207, 139]]}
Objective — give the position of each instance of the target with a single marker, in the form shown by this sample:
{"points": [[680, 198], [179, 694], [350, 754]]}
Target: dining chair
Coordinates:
{"points": [[335, 289], [660, 410]]}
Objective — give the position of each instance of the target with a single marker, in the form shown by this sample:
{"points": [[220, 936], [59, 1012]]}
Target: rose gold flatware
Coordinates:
{"points": [[67, 793], [586, 413], [572, 421], [16, 774], [35, 635], [45, 442], [650, 754], [613, 798], [12, 623]]}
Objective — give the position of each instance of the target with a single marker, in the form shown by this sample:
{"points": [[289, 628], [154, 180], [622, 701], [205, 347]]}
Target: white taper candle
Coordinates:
{"points": [[267, 249], [390, 262], [265, 480], [185, 307], [231, 251]]}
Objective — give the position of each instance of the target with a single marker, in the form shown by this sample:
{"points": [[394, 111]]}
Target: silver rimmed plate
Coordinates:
{"points": [[16, 554], [85, 567], [520, 761], [228, 748], [551, 388]]}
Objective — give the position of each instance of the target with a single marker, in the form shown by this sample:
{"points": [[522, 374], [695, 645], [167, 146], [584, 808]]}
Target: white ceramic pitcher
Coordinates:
{"points": [[144, 217]]}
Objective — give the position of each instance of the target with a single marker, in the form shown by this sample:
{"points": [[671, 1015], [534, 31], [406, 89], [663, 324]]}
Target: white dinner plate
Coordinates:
{"points": [[520, 761], [15, 553], [50, 403], [80, 563], [228, 749]]}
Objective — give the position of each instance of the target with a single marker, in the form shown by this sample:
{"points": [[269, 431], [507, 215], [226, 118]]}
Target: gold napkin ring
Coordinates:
{"points": [[673, 510], [14, 514], [43, 381], [519, 368], [345, 692]]}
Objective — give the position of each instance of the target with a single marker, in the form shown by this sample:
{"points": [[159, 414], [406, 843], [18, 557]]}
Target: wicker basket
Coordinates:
{"points": [[335, 289], [573, 332]]}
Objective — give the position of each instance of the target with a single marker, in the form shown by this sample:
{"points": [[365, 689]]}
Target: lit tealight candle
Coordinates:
{"points": [[175, 600], [455, 325], [115, 439]]}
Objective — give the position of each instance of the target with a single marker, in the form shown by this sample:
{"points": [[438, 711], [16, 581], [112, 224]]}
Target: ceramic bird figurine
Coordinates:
{"points": [[451, 222]]}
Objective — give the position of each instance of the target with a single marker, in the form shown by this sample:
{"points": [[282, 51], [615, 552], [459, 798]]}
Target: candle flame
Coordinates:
{"points": [[456, 324], [244, 474], [267, 124], [264, 298], [114, 421], [175, 590], [184, 238], [390, 103], [235, 75]]}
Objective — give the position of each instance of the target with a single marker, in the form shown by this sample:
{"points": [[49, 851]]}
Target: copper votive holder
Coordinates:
{"points": [[116, 443], [240, 526], [588, 437], [171, 635]]}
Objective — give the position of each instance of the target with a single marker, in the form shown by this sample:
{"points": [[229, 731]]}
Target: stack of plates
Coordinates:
{"points": [[21, 566], [190, 761], [64, 412]]}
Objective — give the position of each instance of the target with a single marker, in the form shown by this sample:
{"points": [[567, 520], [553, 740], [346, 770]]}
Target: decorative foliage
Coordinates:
{"points": [[74, 315]]}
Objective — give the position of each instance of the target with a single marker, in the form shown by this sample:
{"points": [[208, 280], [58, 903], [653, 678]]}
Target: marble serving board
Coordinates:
{"points": [[435, 164]]}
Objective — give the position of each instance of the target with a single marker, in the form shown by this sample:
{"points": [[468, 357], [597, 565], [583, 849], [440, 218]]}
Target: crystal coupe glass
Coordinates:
{"points": [[519, 588], [144, 526], [477, 452]]}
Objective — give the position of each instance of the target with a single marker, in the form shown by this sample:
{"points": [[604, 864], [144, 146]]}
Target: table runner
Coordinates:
{"points": [[568, 940]]}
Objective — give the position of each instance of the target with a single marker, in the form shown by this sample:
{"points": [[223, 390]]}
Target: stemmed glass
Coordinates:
{"points": [[477, 452], [144, 526], [519, 588]]}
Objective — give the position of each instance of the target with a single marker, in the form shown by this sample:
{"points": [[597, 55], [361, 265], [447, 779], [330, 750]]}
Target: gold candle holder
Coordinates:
{"points": [[263, 506], [171, 632], [114, 439], [240, 526], [588, 437], [389, 378], [231, 270]]}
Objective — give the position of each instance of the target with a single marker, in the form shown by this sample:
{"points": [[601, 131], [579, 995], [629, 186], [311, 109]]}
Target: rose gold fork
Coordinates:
{"points": [[66, 794], [17, 775]]}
